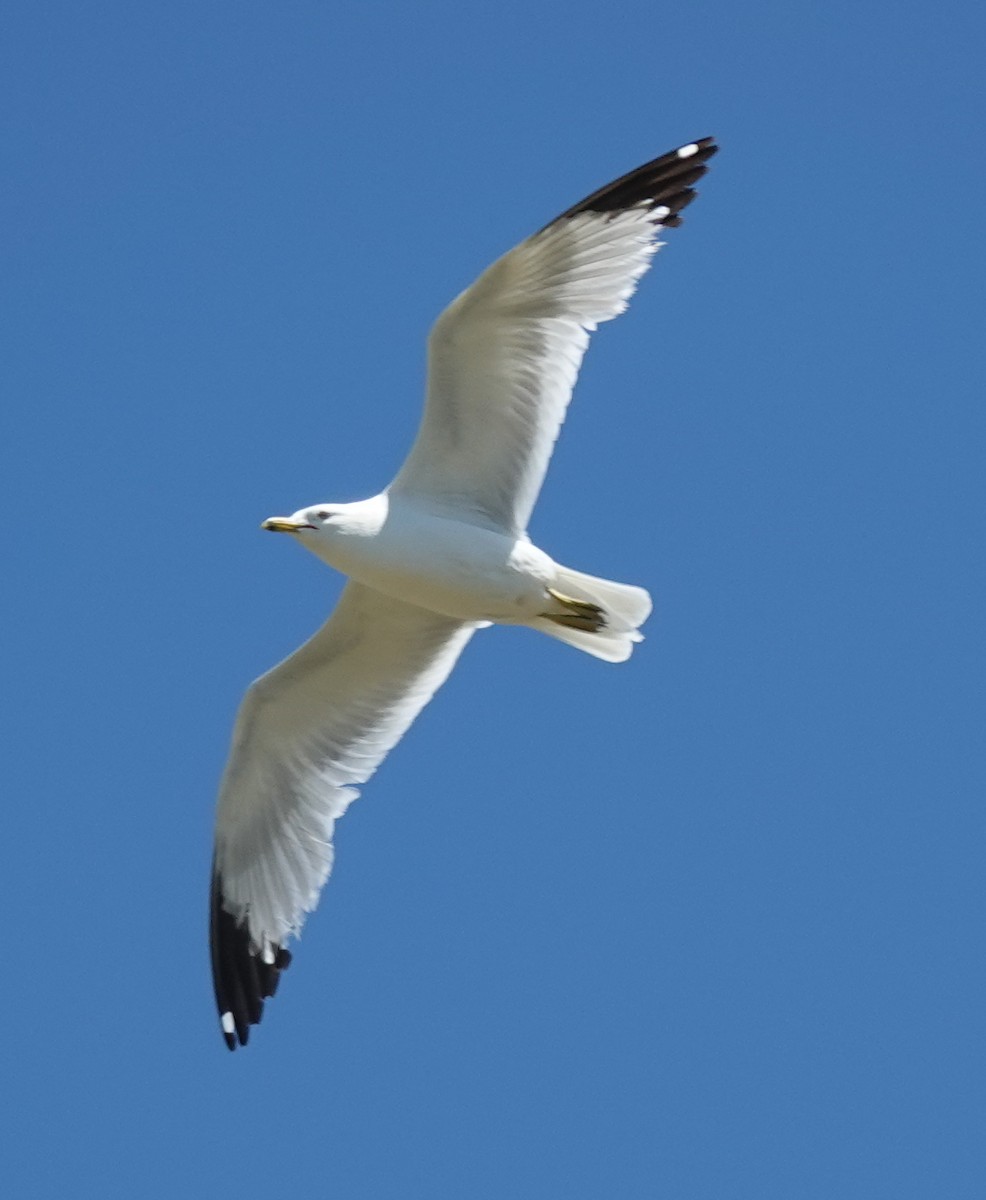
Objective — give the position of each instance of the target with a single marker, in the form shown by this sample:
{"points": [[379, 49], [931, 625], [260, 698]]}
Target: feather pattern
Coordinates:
{"points": [[504, 356], [307, 732]]}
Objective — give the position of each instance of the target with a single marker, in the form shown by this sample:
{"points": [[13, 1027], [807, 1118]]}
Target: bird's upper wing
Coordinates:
{"points": [[321, 721], [503, 357]]}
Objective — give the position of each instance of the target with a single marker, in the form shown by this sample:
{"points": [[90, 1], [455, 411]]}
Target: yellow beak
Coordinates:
{"points": [[283, 525]]}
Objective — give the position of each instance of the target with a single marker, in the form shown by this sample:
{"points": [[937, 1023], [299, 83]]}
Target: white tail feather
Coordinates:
{"points": [[625, 607]]}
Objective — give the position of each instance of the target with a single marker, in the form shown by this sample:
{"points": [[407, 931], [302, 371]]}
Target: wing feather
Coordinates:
{"points": [[504, 356], [307, 732]]}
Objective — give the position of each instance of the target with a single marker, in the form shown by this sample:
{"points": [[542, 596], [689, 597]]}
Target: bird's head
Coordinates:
{"points": [[322, 526], [317, 520]]}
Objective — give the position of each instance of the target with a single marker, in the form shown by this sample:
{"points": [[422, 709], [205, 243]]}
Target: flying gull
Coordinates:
{"points": [[440, 553]]}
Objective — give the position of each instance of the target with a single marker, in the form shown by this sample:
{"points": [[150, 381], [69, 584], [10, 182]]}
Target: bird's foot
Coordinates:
{"points": [[578, 614]]}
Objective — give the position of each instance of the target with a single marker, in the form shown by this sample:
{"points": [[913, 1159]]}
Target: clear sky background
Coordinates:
{"points": [[706, 926]]}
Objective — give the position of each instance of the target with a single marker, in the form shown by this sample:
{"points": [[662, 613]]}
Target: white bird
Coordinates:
{"points": [[439, 554]]}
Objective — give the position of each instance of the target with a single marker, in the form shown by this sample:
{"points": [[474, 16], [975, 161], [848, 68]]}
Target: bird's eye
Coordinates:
{"points": [[323, 514]]}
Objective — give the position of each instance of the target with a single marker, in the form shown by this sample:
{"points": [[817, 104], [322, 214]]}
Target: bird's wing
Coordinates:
{"points": [[307, 731], [503, 357]]}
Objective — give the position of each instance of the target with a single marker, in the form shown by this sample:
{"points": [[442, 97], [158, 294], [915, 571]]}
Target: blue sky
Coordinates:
{"points": [[707, 926]]}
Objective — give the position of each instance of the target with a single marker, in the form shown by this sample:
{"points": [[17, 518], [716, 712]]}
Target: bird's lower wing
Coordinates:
{"points": [[306, 733], [504, 356]]}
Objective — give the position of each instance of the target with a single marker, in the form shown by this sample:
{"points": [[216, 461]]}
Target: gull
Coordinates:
{"points": [[442, 552]]}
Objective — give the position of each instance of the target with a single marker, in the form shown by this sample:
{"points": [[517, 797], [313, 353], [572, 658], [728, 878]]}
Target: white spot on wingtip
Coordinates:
{"points": [[660, 212], [688, 151], [229, 1025]]}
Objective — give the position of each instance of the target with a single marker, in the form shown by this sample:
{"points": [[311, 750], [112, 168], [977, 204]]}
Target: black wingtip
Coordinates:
{"points": [[665, 185], [241, 980]]}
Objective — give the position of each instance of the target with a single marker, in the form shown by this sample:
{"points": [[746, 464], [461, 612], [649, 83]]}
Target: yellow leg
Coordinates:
{"points": [[581, 614]]}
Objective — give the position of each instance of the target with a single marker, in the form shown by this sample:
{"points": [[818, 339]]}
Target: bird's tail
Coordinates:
{"points": [[604, 618]]}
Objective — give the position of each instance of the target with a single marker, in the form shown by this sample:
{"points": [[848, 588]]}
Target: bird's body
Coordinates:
{"points": [[404, 548], [439, 554]]}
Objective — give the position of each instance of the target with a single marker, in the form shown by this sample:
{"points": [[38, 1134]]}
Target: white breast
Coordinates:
{"points": [[446, 566]]}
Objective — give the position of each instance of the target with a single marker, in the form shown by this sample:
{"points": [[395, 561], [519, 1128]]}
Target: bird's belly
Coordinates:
{"points": [[461, 571]]}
